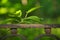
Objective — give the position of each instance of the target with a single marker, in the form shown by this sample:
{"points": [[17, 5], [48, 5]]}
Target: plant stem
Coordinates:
{"points": [[26, 15]]}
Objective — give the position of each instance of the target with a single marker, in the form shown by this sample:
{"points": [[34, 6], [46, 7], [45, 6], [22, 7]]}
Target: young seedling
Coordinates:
{"points": [[31, 18]]}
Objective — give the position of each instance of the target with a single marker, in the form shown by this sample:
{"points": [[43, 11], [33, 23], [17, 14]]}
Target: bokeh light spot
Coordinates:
{"points": [[3, 10], [24, 2], [4, 1], [12, 10]]}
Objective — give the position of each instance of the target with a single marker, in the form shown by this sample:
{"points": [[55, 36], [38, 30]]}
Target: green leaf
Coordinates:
{"points": [[6, 21], [35, 18], [31, 19], [18, 14], [32, 9]]}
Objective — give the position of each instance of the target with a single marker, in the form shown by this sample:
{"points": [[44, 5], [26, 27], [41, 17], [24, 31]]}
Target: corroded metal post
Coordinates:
{"points": [[13, 30], [48, 30]]}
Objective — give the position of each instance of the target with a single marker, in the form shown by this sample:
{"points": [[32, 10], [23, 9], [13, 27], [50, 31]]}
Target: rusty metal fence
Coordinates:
{"points": [[13, 29]]}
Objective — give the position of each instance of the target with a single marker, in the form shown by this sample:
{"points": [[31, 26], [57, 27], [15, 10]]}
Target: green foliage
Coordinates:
{"points": [[17, 14], [6, 21], [17, 17], [31, 20], [32, 9]]}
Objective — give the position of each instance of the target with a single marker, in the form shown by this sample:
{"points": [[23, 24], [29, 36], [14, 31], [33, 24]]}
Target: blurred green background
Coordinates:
{"points": [[49, 12]]}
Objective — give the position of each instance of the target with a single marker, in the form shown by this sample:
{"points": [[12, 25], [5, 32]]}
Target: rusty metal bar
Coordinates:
{"points": [[29, 25]]}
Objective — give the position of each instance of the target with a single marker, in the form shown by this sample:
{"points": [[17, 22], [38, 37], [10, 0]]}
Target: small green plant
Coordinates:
{"points": [[17, 17], [27, 20]]}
